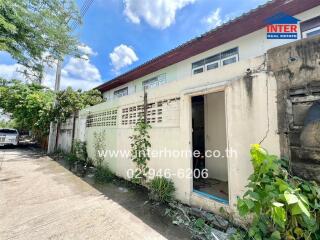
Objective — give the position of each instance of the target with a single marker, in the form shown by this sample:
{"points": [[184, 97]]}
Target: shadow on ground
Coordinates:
{"points": [[135, 200]]}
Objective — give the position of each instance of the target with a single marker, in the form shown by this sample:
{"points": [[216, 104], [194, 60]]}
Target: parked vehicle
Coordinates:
{"points": [[9, 136]]}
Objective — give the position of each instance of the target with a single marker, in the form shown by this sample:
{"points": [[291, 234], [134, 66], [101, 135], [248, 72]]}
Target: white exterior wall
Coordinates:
{"points": [[250, 116], [215, 134], [250, 46]]}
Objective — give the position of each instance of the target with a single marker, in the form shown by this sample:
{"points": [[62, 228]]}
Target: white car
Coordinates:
{"points": [[9, 136]]}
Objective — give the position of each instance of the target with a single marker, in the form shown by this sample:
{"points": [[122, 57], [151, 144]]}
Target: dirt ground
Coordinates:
{"points": [[41, 199]]}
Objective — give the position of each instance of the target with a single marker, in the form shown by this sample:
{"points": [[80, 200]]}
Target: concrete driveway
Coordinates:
{"points": [[41, 199]]}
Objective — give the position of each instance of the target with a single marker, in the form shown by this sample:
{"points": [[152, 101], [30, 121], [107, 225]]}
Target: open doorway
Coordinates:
{"points": [[210, 140]]}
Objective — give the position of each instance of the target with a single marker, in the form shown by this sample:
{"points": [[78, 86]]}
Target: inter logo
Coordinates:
{"points": [[282, 26]]}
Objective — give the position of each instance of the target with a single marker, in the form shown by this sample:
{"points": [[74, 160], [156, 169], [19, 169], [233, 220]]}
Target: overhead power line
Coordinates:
{"points": [[84, 9]]}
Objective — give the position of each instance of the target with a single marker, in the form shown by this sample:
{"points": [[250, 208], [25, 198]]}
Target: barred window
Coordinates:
{"points": [[216, 61], [155, 82], [121, 92]]}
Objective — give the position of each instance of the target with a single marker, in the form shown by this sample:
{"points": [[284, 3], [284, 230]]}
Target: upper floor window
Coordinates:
{"points": [[154, 82], [310, 27], [215, 61], [121, 92]]}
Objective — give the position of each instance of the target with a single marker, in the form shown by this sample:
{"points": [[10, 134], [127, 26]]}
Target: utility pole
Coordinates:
{"points": [[145, 105], [57, 89], [54, 127], [58, 77]]}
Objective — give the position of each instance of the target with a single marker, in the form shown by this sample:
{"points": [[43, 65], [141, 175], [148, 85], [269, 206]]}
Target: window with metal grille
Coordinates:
{"points": [[121, 92], [310, 27], [154, 82], [216, 61]]}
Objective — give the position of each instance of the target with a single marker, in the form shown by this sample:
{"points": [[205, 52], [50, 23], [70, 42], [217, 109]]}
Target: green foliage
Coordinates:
{"points": [[34, 32], [69, 101], [79, 149], [99, 147], [31, 105], [282, 206], [199, 227], [139, 150], [71, 159], [103, 175], [161, 189], [8, 124]]}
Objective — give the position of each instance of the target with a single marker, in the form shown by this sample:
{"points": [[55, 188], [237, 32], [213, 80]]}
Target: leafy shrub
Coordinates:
{"points": [[103, 175], [281, 206], [79, 149], [161, 189], [71, 159]]}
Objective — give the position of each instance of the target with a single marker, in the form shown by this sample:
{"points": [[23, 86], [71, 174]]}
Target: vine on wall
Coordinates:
{"points": [[139, 150], [99, 147]]}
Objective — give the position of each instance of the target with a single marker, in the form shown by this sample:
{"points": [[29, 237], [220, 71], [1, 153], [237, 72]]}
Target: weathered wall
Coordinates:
{"points": [[250, 115], [296, 67], [65, 134]]}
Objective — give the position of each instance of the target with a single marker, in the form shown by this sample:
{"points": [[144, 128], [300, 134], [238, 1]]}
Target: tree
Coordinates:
{"points": [[31, 105], [69, 101], [7, 124], [34, 32]]}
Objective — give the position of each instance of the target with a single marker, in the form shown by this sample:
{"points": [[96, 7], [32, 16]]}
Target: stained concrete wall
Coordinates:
{"points": [[65, 134], [296, 67], [250, 118]]}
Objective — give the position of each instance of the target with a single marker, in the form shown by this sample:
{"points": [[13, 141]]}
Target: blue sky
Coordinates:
{"points": [[117, 35]]}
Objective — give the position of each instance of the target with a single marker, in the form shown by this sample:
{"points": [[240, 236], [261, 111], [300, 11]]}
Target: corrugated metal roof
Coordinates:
{"points": [[250, 22]]}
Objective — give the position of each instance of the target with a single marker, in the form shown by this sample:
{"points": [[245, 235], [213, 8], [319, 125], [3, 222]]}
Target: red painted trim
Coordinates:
{"points": [[241, 26]]}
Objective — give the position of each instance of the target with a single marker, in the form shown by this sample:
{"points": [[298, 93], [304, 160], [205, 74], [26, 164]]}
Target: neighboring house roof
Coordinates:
{"points": [[241, 26]]}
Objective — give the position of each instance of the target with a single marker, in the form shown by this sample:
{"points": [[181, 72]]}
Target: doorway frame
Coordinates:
{"points": [[214, 88]]}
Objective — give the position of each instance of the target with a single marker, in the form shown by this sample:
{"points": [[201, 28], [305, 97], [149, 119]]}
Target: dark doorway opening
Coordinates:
{"points": [[210, 176], [198, 132]]}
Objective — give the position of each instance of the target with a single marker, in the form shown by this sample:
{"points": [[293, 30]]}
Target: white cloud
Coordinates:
{"points": [[122, 56], [77, 73], [81, 68], [158, 13], [11, 71], [214, 19], [66, 81], [85, 49]]}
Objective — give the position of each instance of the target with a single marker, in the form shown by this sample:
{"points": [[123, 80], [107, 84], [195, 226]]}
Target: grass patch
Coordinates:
{"points": [[71, 159], [103, 175]]}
